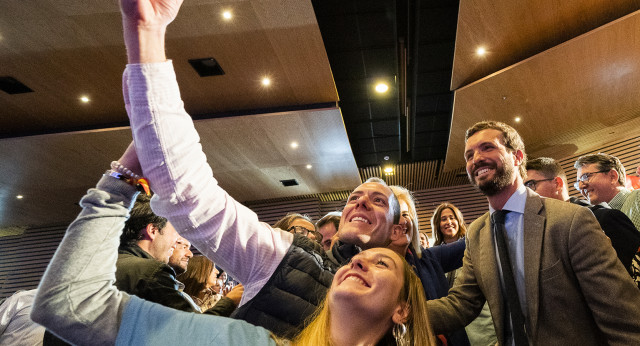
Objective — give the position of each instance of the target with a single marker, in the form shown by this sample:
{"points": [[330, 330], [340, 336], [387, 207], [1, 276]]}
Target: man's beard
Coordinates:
{"points": [[501, 179]]}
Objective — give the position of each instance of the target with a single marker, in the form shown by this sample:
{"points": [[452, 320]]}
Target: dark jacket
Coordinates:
{"points": [[137, 272], [623, 234], [431, 269], [296, 288]]}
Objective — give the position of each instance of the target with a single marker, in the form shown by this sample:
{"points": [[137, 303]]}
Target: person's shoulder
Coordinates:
{"points": [[478, 223]]}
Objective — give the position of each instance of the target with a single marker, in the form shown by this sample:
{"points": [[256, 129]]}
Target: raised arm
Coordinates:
{"points": [[76, 298], [172, 158]]}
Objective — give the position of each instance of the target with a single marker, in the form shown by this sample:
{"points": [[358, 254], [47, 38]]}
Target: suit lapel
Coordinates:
{"points": [[534, 222]]}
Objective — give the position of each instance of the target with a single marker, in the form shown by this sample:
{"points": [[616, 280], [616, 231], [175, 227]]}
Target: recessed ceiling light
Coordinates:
{"points": [[294, 145], [382, 88], [481, 51], [266, 81], [309, 166], [84, 99], [517, 119], [227, 15], [19, 196]]}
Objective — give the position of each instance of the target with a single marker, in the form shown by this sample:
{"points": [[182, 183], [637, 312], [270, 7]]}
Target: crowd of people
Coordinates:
{"points": [[538, 268]]}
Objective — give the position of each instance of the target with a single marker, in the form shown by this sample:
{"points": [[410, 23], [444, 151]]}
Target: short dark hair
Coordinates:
{"points": [[605, 162], [548, 167], [140, 216], [393, 201], [333, 217], [510, 138]]}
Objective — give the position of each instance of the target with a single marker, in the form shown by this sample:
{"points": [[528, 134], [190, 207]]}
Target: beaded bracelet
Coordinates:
{"points": [[118, 167], [118, 171]]}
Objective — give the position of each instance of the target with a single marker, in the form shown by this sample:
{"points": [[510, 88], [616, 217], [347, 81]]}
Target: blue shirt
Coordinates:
{"points": [[514, 226]]}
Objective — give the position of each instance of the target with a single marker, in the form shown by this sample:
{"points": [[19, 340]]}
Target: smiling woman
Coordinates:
{"points": [[448, 224]]}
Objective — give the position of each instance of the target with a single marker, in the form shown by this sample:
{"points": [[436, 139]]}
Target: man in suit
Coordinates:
{"points": [[546, 177], [551, 276]]}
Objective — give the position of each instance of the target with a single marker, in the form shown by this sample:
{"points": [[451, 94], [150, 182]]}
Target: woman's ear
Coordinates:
{"points": [[401, 314]]}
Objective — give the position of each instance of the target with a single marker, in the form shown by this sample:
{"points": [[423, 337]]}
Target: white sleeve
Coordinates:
{"points": [[187, 194], [7, 311]]}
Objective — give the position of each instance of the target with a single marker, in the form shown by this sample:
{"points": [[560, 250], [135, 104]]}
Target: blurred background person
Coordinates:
{"points": [[202, 283]]}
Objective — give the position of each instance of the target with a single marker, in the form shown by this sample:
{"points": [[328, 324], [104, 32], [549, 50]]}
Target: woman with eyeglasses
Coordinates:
{"points": [[299, 224], [376, 299]]}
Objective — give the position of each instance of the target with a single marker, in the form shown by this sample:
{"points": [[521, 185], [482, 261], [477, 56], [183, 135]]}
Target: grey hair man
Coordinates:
{"points": [[601, 178], [546, 177]]}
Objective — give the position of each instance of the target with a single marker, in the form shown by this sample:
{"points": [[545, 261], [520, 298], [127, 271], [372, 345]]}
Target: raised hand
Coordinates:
{"points": [[145, 23], [149, 13]]}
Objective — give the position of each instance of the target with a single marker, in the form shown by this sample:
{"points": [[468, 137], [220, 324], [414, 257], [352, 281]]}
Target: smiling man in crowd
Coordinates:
{"points": [[545, 267]]}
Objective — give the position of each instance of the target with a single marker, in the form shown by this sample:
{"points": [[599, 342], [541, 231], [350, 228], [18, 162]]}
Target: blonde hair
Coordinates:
{"points": [[419, 331], [404, 195], [435, 222]]}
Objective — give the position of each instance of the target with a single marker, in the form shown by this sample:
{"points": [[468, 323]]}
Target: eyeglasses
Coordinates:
{"points": [[585, 178], [299, 230], [533, 184], [305, 232]]}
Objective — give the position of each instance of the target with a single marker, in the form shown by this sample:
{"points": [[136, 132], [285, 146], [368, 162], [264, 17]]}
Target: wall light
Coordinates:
{"points": [[227, 15], [19, 196], [266, 81], [517, 119], [309, 166], [481, 51], [294, 145], [388, 170], [84, 99]]}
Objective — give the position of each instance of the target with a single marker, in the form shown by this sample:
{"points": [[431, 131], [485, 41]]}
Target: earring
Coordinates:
{"points": [[400, 333]]}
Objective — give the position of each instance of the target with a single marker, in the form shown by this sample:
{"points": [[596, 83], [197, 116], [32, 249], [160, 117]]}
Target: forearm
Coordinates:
{"points": [[76, 298], [186, 192]]}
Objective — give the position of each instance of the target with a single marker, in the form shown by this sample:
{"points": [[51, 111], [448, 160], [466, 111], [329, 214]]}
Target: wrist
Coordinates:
{"points": [[145, 43]]}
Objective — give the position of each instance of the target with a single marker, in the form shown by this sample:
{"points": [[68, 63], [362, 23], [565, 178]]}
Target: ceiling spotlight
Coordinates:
{"points": [[309, 166], [266, 81], [19, 196], [382, 88], [386, 158], [481, 51], [294, 145], [227, 15], [84, 99], [517, 119]]}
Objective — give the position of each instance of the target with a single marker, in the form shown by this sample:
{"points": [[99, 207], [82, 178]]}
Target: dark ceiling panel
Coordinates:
{"points": [[386, 128], [363, 41]]}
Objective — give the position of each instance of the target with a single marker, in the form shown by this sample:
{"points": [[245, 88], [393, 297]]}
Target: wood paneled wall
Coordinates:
{"points": [[23, 258]]}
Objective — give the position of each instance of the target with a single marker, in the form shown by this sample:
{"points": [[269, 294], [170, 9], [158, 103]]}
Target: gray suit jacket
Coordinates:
{"points": [[577, 291]]}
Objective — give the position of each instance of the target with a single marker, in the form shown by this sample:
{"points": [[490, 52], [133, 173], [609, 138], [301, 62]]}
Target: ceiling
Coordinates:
{"points": [[568, 69]]}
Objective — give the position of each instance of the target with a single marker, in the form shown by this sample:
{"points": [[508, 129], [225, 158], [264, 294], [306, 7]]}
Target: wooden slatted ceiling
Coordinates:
{"points": [[580, 95], [25, 257], [512, 31]]}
